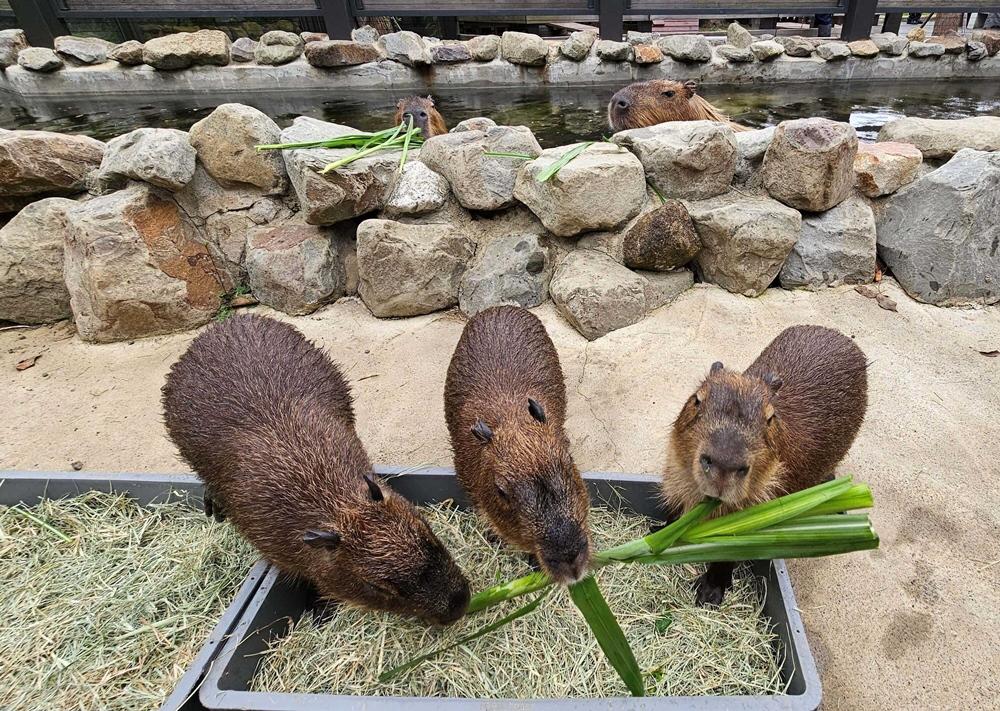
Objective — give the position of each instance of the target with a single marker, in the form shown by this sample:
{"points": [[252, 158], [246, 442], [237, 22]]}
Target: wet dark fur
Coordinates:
{"points": [[523, 479], [266, 420], [812, 382], [425, 116], [647, 103]]}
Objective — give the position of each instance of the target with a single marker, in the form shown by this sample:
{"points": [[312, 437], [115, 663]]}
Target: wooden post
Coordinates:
{"points": [[338, 18], [39, 21], [449, 27], [612, 19], [858, 20], [892, 22]]}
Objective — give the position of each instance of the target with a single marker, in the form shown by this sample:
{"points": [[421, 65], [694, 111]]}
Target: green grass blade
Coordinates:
{"points": [[587, 597], [406, 144], [38, 521], [662, 539], [663, 200], [501, 154], [857, 497], [508, 591], [733, 549], [823, 522], [563, 160]]}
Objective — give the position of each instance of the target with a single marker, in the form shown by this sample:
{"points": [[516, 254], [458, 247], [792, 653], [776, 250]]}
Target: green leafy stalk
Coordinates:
{"points": [[662, 539], [563, 160], [736, 549], [501, 154], [508, 591], [47, 526], [406, 144], [857, 497], [663, 200]]}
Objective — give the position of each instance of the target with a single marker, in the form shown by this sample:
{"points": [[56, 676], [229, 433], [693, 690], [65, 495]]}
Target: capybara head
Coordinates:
{"points": [[539, 490], [420, 109], [647, 103], [725, 434]]}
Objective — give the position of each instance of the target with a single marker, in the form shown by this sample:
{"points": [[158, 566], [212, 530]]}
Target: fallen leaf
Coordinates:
{"points": [[878, 276], [885, 302], [990, 354], [866, 291], [27, 362]]}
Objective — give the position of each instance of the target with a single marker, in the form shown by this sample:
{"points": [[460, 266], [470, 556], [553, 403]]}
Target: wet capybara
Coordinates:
{"points": [[425, 117], [265, 418], [647, 103], [779, 427], [505, 403]]}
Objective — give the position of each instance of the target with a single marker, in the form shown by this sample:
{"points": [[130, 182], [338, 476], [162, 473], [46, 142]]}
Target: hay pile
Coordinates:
{"points": [[551, 653], [104, 603]]}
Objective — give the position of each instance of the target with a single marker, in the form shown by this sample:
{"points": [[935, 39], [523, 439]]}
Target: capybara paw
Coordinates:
{"points": [[708, 592]]}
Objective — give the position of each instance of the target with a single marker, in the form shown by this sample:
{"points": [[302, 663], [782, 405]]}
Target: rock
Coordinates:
{"points": [[636, 38], [243, 50], [943, 138], [277, 47], [128, 53], [745, 240], [577, 46], [939, 235], [833, 51], [135, 267], [926, 49], [83, 50], [767, 50], [750, 149], [883, 168], [186, 49], [512, 269], [810, 163], [39, 59], [480, 182], [32, 288], [796, 46], [294, 267], [990, 38], [340, 53], [646, 54], [952, 43], [864, 48], [366, 34], [734, 54], [404, 47], [450, 54], [686, 48], [484, 48], [738, 36], [11, 42], [684, 159], [664, 287], [976, 51], [417, 191], [204, 196], [479, 123], [917, 34], [276, 38], [308, 37], [160, 156], [408, 270], [523, 48], [225, 140], [600, 188], [835, 247], [611, 51], [661, 240], [890, 43], [596, 294], [37, 163]]}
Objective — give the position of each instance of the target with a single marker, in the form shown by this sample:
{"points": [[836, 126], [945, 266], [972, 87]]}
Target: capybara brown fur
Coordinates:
{"points": [[505, 403], [779, 427], [647, 103], [425, 117], [266, 420]]}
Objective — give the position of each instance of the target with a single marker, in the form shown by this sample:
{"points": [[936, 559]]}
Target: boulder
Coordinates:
{"points": [[767, 50], [523, 48], [340, 53], [32, 288], [952, 43], [278, 37], [684, 159], [926, 49], [835, 247], [796, 46], [664, 287], [366, 34], [917, 34], [408, 270], [611, 51], [36, 163], [636, 38], [276, 54], [750, 149], [735, 54], [833, 51], [738, 36], [135, 267], [976, 51], [243, 50], [810, 163], [450, 53], [596, 294], [225, 140], [883, 168], [990, 38], [484, 48], [186, 49], [661, 240], [404, 47], [943, 138], [478, 123], [39, 59], [890, 43], [686, 48], [939, 235], [479, 181], [646, 54], [416, 191], [512, 269], [159, 156], [308, 37], [128, 53], [744, 240], [600, 188], [83, 50], [577, 46], [11, 42], [864, 48]]}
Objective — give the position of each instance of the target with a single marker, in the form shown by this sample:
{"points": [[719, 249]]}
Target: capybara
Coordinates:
{"points": [[779, 427], [505, 403], [265, 418], [647, 103], [425, 117]]}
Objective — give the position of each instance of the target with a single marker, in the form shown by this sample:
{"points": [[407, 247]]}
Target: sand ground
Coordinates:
{"points": [[913, 625]]}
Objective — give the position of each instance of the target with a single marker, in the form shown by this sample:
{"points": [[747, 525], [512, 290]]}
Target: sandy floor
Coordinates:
{"points": [[913, 625]]}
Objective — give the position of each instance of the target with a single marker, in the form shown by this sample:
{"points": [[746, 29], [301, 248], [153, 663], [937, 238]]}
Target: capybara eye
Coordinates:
{"points": [[423, 114], [503, 494], [669, 94], [742, 471], [706, 462]]}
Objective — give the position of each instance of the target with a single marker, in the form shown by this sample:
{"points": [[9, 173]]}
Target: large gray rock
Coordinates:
{"points": [[83, 50], [39, 59], [243, 50], [36, 163], [939, 235], [883, 168], [926, 49], [810, 163], [664, 287], [32, 288], [686, 48], [523, 48], [225, 141], [278, 47], [416, 191], [596, 294], [600, 188], [636, 38], [479, 181], [135, 267], [943, 138], [745, 240], [404, 47], [611, 51], [864, 48], [484, 48], [661, 240], [128, 53], [976, 51], [512, 269], [366, 34], [159, 156], [738, 36], [340, 53], [11, 42], [835, 247], [408, 270], [186, 49], [750, 149], [735, 54], [890, 43], [450, 53], [833, 51], [684, 159], [767, 50], [796, 46], [577, 46]]}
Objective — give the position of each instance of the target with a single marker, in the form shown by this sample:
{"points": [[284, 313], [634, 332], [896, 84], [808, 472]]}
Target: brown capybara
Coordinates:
{"points": [[425, 117], [779, 427], [505, 402], [647, 103], [265, 419]]}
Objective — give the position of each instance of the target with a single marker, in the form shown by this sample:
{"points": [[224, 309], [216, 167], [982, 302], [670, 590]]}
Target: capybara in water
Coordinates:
{"points": [[505, 402], [647, 103], [265, 419], [425, 116], [779, 427]]}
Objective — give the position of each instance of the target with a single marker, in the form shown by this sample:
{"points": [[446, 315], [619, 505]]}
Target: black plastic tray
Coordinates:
{"points": [[30, 488], [280, 601]]}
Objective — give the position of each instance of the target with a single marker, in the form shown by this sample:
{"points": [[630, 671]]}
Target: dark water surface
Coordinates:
{"points": [[557, 116]]}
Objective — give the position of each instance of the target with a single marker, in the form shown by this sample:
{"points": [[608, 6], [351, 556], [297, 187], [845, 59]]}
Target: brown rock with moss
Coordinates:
{"points": [[662, 239]]}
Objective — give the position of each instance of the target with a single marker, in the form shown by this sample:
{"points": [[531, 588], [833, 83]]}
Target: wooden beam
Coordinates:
{"points": [[612, 19], [39, 21], [338, 18]]}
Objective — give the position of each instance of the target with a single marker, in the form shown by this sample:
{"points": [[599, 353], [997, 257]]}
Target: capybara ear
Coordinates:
{"points": [[321, 539], [690, 87], [399, 104], [374, 490], [717, 367], [769, 412], [773, 382], [536, 410], [430, 99], [482, 432]]}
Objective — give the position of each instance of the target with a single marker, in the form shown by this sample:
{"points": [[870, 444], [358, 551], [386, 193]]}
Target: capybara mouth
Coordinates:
{"points": [[567, 569]]}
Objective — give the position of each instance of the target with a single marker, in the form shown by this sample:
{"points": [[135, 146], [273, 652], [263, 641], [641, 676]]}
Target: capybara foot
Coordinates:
{"points": [[711, 586]]}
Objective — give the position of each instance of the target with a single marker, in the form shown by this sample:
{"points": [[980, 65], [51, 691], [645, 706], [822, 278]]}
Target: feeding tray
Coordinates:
{"points": [[280, 601]]}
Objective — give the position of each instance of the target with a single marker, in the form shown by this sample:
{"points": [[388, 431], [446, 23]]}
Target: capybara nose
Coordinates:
{"points": [[621, 104], [568, 566], [458, 604]]}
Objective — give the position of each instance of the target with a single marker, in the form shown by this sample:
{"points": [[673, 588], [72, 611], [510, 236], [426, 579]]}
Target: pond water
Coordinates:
{"points": [[557, 116]]}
